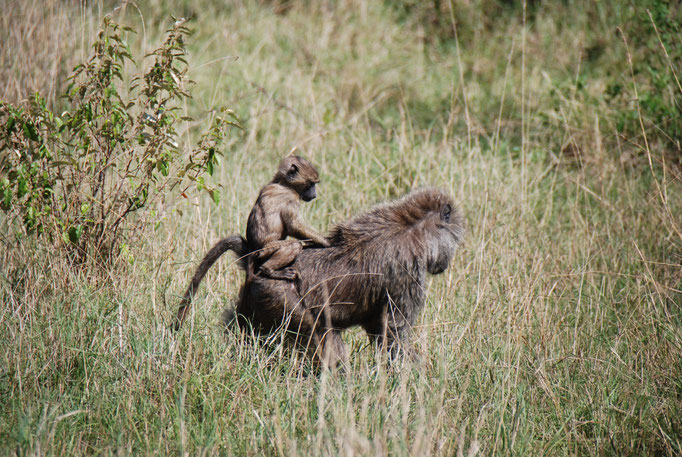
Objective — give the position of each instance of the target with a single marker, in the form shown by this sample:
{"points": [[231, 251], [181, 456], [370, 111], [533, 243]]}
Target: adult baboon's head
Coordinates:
{"points": [[443, 236]]}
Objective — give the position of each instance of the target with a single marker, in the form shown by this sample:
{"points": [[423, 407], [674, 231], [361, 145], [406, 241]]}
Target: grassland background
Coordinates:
{"points": [[557, 329]]}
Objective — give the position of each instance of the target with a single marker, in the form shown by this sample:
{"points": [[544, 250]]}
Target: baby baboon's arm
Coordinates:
{"points": [[297, 228]]}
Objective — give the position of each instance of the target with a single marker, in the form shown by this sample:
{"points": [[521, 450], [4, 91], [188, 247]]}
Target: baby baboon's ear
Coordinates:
{"points": [[445, 212], [292, 171]]}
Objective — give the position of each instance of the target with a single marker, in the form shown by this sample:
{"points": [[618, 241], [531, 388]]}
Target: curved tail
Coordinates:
{"points": [[234, 243]]}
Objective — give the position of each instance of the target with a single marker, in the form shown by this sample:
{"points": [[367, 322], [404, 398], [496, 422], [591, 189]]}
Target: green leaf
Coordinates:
{"points": [[44, 151], [215, 195], [11, 122], [30, 131], [75, 233], [6, 194], [163, 167], [30, 218], [22, 187]]}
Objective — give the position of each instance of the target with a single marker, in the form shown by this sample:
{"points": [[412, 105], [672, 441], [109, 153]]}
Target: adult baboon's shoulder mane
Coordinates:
{"points": [[396, 218]]}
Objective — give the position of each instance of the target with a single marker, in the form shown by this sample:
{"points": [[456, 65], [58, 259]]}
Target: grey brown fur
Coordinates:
{"points": [[372, 275]]}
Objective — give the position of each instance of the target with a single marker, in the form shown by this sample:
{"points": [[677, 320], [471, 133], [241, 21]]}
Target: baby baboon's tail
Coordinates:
{"points": [[234, 243]]}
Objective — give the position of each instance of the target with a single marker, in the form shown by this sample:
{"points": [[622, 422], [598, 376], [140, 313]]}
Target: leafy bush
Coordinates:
{"points": [[87, 179]]}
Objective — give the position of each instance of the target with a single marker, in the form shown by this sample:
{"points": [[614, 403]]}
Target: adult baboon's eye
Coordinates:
{"points": [[445, 213]]}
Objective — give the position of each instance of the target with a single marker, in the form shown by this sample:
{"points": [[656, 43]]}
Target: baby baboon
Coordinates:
{"points": [[277, 214], [274, 216], [372, 275]]}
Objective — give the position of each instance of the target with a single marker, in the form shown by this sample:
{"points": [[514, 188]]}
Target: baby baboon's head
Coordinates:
{"points": [[299, 174]]}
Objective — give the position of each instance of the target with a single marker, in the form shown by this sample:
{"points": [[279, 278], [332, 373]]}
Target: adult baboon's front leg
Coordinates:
{"points": [[390, 331], [332, 351]]}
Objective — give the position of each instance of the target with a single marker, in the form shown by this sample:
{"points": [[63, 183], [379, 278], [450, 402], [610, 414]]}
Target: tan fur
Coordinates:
{"points": [[276, 216]]}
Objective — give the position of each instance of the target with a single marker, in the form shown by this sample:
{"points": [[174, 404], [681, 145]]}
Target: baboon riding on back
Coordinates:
{"points": [[274, 217], [372, 275]]}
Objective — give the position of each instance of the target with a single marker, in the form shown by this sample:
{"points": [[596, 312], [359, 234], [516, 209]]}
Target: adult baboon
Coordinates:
{"points": [[372, 275], [275, 216]]}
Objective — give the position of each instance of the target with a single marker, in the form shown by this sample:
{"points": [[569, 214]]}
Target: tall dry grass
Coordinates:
{"points": [[555, 331], [41, 42]]}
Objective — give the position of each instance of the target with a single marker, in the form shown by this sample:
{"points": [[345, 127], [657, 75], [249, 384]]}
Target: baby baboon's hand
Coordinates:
{"points": [[317, 241]]}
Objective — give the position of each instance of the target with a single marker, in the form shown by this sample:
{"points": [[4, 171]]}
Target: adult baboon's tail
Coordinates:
{"points": [[234, 243]]}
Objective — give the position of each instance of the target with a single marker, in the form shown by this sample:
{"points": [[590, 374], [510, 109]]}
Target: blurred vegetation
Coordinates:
{"points": [[629, 51]]}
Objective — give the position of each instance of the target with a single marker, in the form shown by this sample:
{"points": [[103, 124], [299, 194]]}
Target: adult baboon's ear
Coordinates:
{"points": [[445, 212]]}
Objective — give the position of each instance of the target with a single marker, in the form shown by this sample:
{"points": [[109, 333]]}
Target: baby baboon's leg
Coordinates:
{"points": [[280, 258]]}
